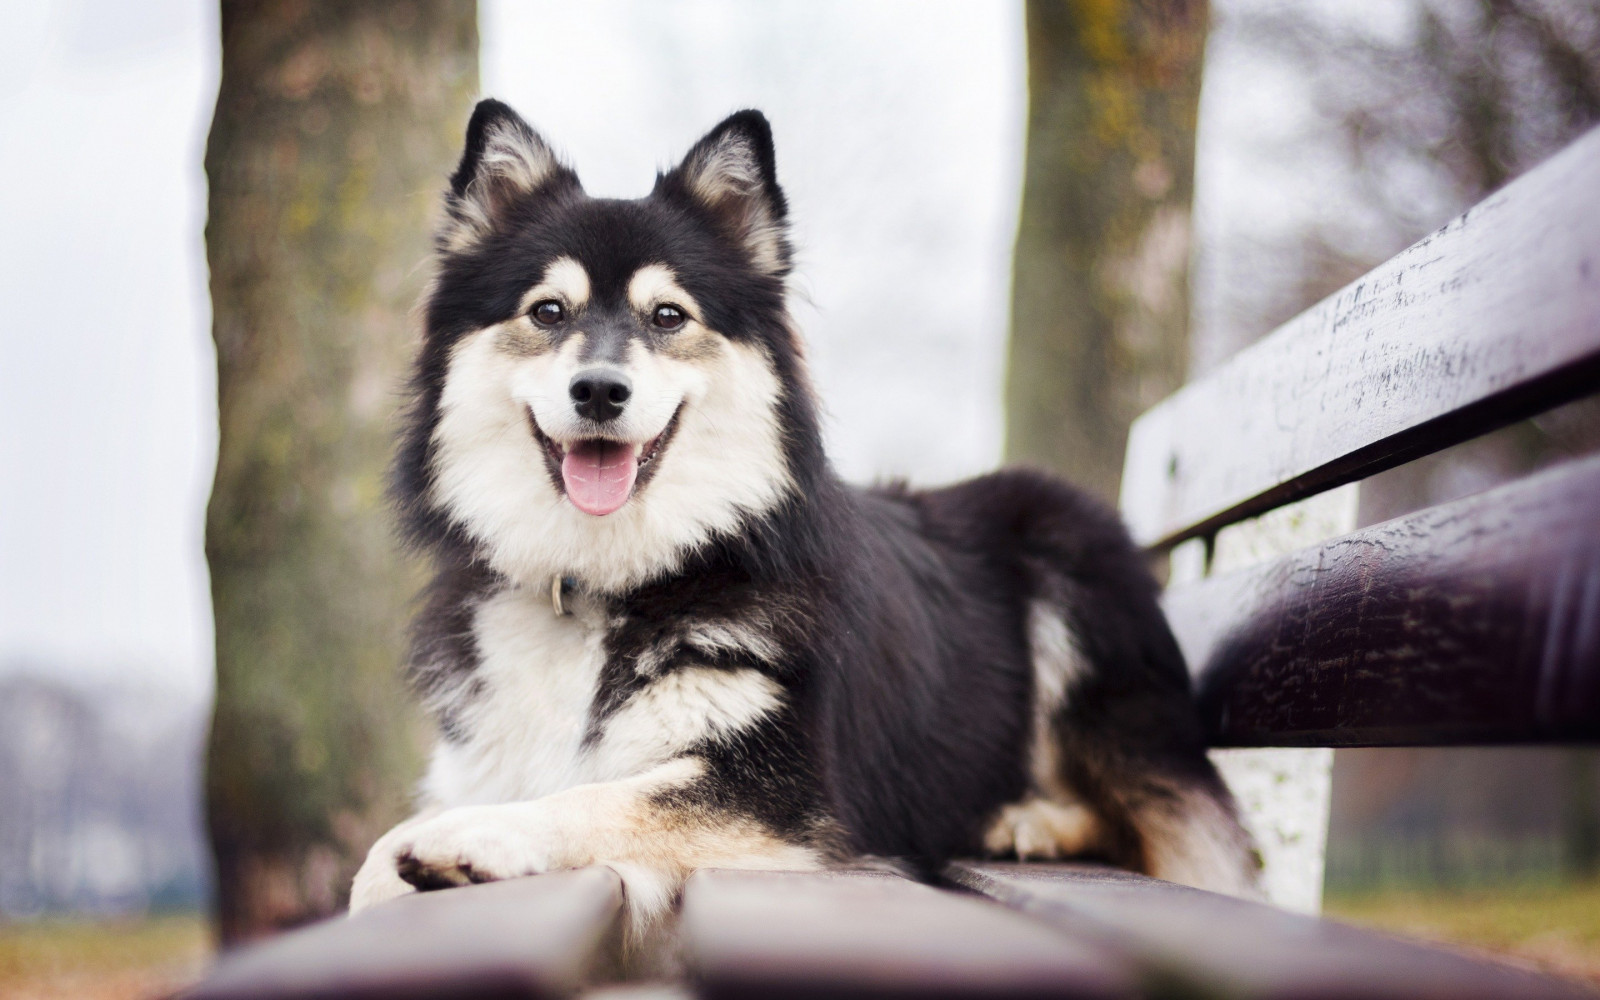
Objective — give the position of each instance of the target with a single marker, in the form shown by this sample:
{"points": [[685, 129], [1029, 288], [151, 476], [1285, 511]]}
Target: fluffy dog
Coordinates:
{"points": [[664, 635]]}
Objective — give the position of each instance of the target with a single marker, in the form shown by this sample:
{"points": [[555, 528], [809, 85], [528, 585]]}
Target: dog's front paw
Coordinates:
{"points": [[377, 882], [473, 844]]}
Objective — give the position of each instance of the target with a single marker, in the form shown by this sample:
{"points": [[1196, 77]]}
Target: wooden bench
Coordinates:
{"points": [[1474, 622]]}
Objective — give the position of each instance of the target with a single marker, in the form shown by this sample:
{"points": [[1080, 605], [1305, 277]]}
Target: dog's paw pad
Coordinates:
{"points": [[425, 875], [470, 845]]}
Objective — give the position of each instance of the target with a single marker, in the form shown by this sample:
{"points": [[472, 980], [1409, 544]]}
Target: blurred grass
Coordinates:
{"points": [[1553, 926], [102, 960]]}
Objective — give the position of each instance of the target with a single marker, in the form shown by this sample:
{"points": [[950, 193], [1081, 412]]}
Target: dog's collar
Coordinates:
{"points": [[560, 587]]}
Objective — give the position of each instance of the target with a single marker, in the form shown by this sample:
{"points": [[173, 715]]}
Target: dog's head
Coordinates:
{"points": [[605, 385]]}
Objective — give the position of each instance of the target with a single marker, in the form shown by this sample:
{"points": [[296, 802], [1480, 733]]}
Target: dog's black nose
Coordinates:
{"points": [[600, 393]]}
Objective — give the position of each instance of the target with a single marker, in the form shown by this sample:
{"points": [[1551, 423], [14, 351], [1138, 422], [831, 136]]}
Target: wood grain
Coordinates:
{"points": [[1476, 621], [871, 934], [1194, 943], [1491, 319], [534, 938]]}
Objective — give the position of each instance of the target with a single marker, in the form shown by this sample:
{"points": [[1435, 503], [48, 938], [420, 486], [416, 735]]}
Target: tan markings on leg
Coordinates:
{"points": [[652, 844], [1038, 828]]}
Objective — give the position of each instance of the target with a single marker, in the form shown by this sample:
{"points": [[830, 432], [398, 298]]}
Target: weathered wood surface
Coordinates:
{"points": [[1194, 943], [524, 938], [1054, 931], [872, 934], [1492, 318], [1476, 621]]}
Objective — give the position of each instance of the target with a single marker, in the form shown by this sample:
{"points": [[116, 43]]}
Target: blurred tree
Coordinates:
{"points": [[1099, 308], [1433, 118], [335, 127]]}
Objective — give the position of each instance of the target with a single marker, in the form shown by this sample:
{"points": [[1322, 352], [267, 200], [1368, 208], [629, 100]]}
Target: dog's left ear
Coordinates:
{"points": [[504, 163], [732, 175]]}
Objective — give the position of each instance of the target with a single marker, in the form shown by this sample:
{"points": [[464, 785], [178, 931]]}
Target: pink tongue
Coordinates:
{"points": [[599, 475]]}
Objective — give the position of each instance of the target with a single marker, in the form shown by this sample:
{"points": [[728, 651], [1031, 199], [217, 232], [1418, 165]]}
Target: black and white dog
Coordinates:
{"points": [[663, 635]]}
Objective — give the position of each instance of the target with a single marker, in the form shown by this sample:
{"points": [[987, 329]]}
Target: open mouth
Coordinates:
{"points": [[599, 475]]}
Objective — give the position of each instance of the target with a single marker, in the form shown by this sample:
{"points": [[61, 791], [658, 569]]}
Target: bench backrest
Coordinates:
{"points": [[1475, 621]]}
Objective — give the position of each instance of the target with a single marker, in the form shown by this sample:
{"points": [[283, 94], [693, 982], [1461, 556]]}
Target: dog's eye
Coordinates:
{"points": [[669, 317], [548, 312]]}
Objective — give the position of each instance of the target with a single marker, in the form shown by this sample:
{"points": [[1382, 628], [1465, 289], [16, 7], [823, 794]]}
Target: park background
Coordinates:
{"points": [[1252, 157]]}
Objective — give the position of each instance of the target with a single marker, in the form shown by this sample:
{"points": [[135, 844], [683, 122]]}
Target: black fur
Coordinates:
{"points": [[901, 614]]}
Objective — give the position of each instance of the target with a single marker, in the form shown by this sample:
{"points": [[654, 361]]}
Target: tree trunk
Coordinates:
{"points": [[1100, 302], [336, 125]]}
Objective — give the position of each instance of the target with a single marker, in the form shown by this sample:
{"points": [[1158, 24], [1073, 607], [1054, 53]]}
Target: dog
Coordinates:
{"points": [[663, 635]]}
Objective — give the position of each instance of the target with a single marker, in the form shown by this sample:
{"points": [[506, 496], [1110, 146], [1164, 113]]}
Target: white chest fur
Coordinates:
{"points": [[522, 734], [524, 731]]}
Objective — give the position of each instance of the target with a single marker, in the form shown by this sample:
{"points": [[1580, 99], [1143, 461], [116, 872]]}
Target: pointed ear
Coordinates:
{"points": [[504, 161], [732, 176]]}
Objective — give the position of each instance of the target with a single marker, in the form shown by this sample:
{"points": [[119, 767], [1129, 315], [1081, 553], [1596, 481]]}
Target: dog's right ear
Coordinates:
{"points": [[504, 162]]}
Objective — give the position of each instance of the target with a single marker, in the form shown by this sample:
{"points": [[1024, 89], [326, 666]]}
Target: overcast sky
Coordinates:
{"points": [[107, 412]]}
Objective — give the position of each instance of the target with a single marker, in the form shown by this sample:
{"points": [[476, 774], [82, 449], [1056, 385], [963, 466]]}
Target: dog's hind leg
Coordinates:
{"points": [[1052, 822], [1118, 769], [1043, 829], [1120, 765], [1117, 763], [1118, 756]]}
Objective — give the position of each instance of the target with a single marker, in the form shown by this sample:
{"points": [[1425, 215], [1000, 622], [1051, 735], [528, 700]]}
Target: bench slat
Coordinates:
{"points": [[1491, 319], [1476, 621], [1196, 943], [522, 938], [873, 934]]}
